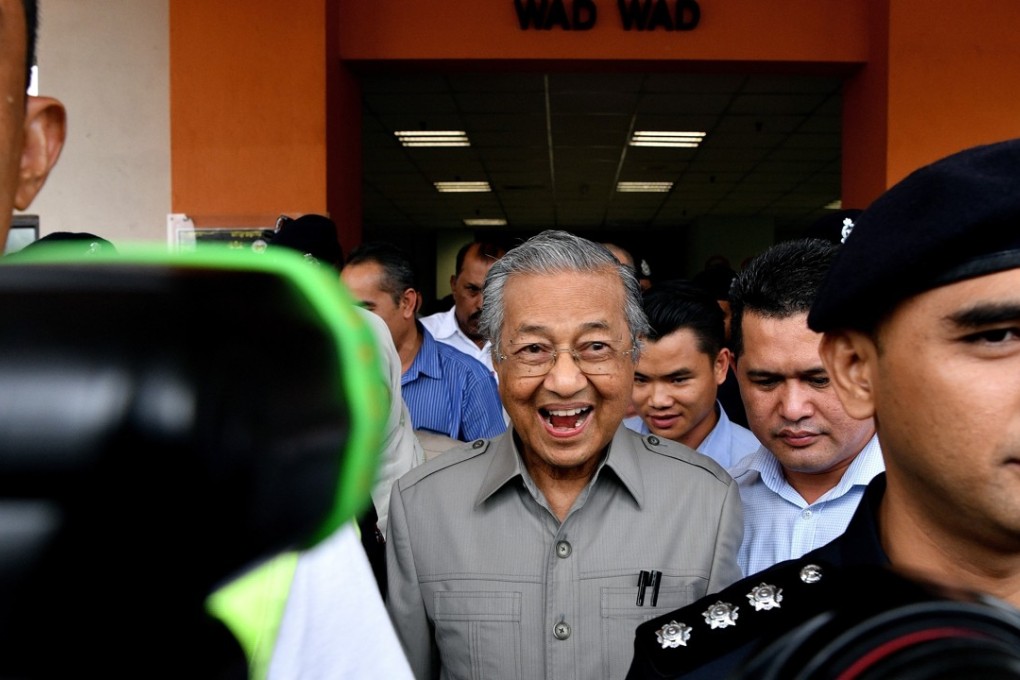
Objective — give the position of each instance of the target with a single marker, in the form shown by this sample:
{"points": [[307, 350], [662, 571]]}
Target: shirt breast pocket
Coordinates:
{"points": [[479, 634], [621, 616]]}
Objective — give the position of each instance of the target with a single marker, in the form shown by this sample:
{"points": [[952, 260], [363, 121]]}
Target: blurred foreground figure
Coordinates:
{"points": [[143, 461], [921, 316]]}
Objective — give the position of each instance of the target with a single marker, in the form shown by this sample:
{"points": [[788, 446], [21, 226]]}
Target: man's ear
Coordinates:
{"points": [[850, 358], [722, 365], [409, 303], [45, 127], [453, 283]]}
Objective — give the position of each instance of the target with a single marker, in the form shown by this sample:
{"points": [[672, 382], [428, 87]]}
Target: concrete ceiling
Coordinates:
{"points": [[553, 147]]}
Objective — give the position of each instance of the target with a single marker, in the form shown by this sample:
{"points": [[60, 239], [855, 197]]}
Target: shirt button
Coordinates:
{"points": [[563, 550], [561, 631], [653, 440], [479, 443], [807, 514]]}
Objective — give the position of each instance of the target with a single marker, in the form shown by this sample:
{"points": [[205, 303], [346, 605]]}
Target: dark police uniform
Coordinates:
{"points": [[716, 634]]}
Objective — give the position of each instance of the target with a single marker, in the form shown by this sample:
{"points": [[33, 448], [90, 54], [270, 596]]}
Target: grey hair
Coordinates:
{"points": [[550, 252]]}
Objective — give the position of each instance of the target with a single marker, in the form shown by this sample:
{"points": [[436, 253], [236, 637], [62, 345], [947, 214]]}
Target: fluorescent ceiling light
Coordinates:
{"points": [[651, 187], [667, 138], [462, 187], [433, 138], [485, 222], [835, 205]]}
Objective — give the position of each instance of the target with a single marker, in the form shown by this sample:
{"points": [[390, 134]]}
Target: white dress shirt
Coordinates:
{"points": [[444, 328]]}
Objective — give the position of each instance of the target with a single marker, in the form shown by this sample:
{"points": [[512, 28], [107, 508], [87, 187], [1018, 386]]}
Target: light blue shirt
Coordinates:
{"points": [[779, 524], [450, 393], [726, 444]]}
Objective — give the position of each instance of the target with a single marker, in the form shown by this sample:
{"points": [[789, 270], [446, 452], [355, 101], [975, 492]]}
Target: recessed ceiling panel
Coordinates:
{"points": [[554, 146]]}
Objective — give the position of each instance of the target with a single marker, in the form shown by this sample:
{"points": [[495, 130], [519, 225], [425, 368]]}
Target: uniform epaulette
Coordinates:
{"points": [[754, 609], [457, 454], [668, 447]]}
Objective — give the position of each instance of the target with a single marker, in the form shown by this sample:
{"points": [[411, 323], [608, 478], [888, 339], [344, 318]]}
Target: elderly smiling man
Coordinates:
{"points": [[537, 553]]}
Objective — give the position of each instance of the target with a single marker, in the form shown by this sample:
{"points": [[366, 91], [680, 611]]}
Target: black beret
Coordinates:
{"points": [[955, 219]]}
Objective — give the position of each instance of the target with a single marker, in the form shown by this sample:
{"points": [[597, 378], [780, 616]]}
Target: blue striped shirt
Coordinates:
{"points": [[450, 393], [779, 524]]}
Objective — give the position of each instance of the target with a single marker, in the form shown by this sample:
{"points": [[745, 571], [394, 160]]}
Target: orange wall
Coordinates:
{"points": [[265, 102], [953, 79], [942, 76], [865, 162], [247, 91], [730, 30], [265, 109]]}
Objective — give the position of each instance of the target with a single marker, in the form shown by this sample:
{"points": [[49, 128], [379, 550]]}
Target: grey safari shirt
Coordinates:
{"points": [[485, 582]]}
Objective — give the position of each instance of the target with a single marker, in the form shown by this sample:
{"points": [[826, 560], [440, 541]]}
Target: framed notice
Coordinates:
{"points": [[184, 236]]}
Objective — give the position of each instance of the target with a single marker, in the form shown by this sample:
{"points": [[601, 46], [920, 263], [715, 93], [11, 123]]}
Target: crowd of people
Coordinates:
{"points": [[567, 492]]}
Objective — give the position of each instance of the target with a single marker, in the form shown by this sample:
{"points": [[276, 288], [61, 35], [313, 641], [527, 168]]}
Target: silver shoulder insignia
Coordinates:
{"points": [[812, 573], [673, 635], [721, 615], [765, 597]]}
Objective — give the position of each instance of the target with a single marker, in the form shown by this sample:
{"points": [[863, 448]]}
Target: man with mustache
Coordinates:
{"points": [[458, 327], [800, 488], [446, 392]]}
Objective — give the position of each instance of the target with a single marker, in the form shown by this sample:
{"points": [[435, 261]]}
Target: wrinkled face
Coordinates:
{"points": [[791, 406], [675, 385], [467, 293], [947, 397], [566, 418], [365, 281]]}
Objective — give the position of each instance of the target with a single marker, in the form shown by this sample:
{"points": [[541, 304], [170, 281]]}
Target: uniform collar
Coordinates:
{"points": [[507, 465]]}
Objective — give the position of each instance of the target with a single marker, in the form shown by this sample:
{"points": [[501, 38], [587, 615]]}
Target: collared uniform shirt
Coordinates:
{"points": [[779, 524], [450, 393], [485, 581], [726, 444], [444, 328]]}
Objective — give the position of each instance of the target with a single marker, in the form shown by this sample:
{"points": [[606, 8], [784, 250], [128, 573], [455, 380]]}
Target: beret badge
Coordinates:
{"points": [[848, 226]]}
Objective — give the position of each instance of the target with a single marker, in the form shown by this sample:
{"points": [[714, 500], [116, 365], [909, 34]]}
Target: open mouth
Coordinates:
{"points": [[566, 419]]}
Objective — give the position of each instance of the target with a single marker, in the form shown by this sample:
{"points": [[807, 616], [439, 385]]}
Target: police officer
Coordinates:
{"points": [[921, 315]]}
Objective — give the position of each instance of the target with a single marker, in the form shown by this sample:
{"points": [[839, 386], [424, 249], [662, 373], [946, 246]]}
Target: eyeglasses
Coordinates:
{"points": [[597, 357]]}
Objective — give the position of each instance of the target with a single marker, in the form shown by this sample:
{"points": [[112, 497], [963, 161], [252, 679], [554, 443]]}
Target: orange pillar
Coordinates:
{"points": [[248, 110], [940, 78]]}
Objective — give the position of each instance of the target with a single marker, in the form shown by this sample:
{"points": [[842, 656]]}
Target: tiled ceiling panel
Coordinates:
{"points": [[553, 147]]}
